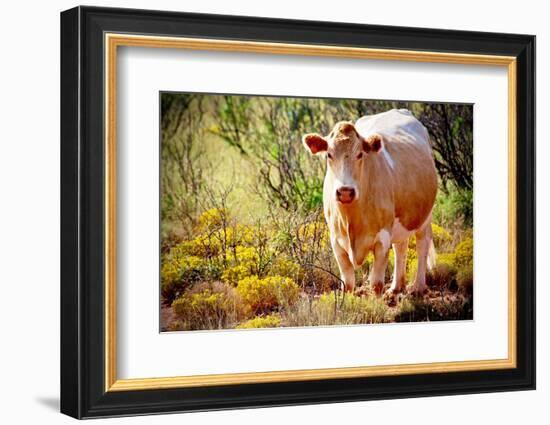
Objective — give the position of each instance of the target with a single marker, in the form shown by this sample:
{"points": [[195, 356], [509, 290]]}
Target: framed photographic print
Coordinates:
{"points": [[261, 212]]}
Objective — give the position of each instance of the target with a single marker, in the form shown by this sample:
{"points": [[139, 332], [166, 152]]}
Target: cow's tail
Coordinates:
{"points": [[432, 256]]}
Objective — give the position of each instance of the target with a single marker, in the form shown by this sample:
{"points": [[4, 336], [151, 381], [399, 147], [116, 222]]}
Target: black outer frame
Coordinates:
{"points": [[82, 212]]}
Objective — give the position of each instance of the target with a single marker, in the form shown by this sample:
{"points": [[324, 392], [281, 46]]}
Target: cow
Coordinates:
{"points": [[379, 189]]}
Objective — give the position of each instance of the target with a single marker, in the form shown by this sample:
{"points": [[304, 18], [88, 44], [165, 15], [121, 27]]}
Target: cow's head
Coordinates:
{"points": [[345, 151]]}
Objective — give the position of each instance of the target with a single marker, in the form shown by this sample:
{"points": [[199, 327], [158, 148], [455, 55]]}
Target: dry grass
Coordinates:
{"points": [[218, 306], [336, 308], [208, 306]]}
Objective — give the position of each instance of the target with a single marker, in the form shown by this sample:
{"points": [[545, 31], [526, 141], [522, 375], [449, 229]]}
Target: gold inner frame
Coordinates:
{"points": [[113, 41]]}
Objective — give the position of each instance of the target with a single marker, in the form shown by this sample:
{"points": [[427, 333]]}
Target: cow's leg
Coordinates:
{"points": [[344, 264], [423, 242], [400, 259], [381, 251]]}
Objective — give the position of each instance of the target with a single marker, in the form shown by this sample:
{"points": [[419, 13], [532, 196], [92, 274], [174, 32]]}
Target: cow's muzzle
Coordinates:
{"points": [[345, 194]]}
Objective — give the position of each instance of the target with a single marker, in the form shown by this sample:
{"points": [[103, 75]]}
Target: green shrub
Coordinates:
{"points": [[441, 237], [195, 247], [465, 279], [245, 261], [209, 306], [464, 253], [232, 275], [447, 259], [283, 266], [264, 295], [218, 235], [179, 273], [454, 206], [245, 235], [244, 255], [211, 219], [269, 321]]}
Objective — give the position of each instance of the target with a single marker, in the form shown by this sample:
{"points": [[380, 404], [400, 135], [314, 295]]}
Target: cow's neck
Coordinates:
{"points": [[373, 211], [374, 208], [355, 228]]}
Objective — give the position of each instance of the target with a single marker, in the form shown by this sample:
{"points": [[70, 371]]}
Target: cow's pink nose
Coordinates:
{"points": [[345, 194]]}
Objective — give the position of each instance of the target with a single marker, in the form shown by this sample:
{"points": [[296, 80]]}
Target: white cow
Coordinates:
{"points": [[379, 189]]}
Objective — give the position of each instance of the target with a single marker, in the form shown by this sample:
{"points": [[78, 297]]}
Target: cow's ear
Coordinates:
{"points": [[373, 143], [315, 143]]}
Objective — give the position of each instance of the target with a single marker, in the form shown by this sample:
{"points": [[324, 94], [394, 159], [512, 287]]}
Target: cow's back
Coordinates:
{"points": [[409, 156], [397, 125]]}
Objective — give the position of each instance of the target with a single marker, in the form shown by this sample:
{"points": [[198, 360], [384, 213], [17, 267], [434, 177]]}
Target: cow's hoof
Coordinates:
{"points": [[378, 288]]}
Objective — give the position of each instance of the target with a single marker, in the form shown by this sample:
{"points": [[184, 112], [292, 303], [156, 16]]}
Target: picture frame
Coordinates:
{"points": [[90, 39]]}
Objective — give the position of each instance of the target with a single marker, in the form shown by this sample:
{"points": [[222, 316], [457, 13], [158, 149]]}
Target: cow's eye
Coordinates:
{"points": [[359, 155], [329, 155]]}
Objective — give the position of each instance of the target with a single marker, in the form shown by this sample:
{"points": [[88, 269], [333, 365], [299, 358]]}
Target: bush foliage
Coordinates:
{"points": [[227, 278], [214, 306], [269, 321], [267, 294]]}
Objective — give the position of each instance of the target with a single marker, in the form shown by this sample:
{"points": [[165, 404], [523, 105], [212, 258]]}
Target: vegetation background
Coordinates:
{"points": [[243, 240]]}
